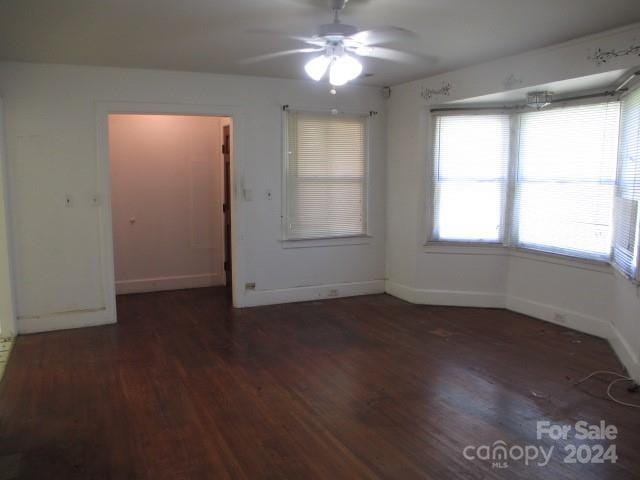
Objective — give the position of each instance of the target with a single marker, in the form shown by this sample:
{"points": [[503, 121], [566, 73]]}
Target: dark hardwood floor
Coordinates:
{"points": [[367, 387]]}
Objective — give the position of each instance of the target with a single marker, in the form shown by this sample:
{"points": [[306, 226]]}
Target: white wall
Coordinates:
{"points": [[582, 295], [573, 293], [7, 312], [166, 195], [53, 148], [626, 324]]}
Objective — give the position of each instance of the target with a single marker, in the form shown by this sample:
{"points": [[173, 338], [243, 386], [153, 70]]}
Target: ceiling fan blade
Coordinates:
{"points": [[269, 56], [275, 33], [393, 55], [379, 35]]}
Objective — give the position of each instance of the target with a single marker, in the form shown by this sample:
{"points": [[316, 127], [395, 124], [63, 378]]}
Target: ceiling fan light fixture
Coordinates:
{"points": [[334, 42], [317, 67], [344, 69]]}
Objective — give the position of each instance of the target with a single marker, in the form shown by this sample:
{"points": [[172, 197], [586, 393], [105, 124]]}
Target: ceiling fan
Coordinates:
{"points": [[339, 44]]}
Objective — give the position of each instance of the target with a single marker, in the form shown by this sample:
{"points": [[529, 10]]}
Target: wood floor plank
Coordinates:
{"points": [[184, 386]]}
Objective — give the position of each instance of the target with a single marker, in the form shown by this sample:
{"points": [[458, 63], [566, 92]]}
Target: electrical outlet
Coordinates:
{"points": [[333, 292], [250, 286]]}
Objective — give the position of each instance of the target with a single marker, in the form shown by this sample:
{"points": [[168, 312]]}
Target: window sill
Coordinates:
{"points": [[481, 248], [624, 275], [466, 248], [326, 242], [560, 259]]}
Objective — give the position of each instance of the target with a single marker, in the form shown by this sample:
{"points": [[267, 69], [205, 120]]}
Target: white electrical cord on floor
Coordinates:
{"points": [[623, 378]]}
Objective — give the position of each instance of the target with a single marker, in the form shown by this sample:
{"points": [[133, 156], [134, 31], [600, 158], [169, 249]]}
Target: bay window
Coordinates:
{"points": [[563, 180]]}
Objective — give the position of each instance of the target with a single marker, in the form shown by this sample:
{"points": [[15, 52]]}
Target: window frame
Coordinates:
{"points": [[430, 201], [288, 241], [509, 242], [632, 278], [431, 237], [634, 87], [514, 241]]}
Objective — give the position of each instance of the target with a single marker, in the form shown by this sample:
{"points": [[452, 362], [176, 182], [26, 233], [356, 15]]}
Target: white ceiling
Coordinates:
{"points": [[211, 35]]}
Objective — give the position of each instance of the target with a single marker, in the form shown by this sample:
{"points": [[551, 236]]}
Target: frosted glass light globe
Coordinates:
{"points": [[344, 69], [317, 67]]}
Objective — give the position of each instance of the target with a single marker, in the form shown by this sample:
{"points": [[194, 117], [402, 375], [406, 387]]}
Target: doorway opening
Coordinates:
{"points": [[170, 201]]}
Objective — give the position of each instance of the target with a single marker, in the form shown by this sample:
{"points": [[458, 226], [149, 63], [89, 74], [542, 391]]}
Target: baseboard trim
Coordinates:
{"points": [[625, 354], [570, 319], [452, 298], [561, 316], [160, 284], [254, 298], [65, 321]]}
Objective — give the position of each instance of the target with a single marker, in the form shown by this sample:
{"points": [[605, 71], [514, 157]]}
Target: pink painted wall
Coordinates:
{"points": [[167, 192]]}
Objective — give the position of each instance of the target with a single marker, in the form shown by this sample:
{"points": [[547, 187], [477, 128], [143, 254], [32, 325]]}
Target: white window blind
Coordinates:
{"points": [[565, 179], [471, 163], [326, 175], [625, 241]]}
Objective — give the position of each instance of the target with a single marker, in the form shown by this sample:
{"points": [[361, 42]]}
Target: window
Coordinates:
{"points": [[625, 242], [470, 176], [326, 175], [565, 179], [543, 180]]}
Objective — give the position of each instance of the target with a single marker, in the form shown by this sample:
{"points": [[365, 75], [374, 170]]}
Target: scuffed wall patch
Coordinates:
{"points": [[511, 82]]}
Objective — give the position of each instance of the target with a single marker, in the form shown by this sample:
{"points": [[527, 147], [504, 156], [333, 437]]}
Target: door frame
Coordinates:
{"points": [[103, 183], [8, 319], [227, 131]]}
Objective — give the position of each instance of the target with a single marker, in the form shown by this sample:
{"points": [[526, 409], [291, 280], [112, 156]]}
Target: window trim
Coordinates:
{"points": [[324, 241], [430, 197], [430, 187], [633, 86], [509, 241], [554, 250], [430, 237]]}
